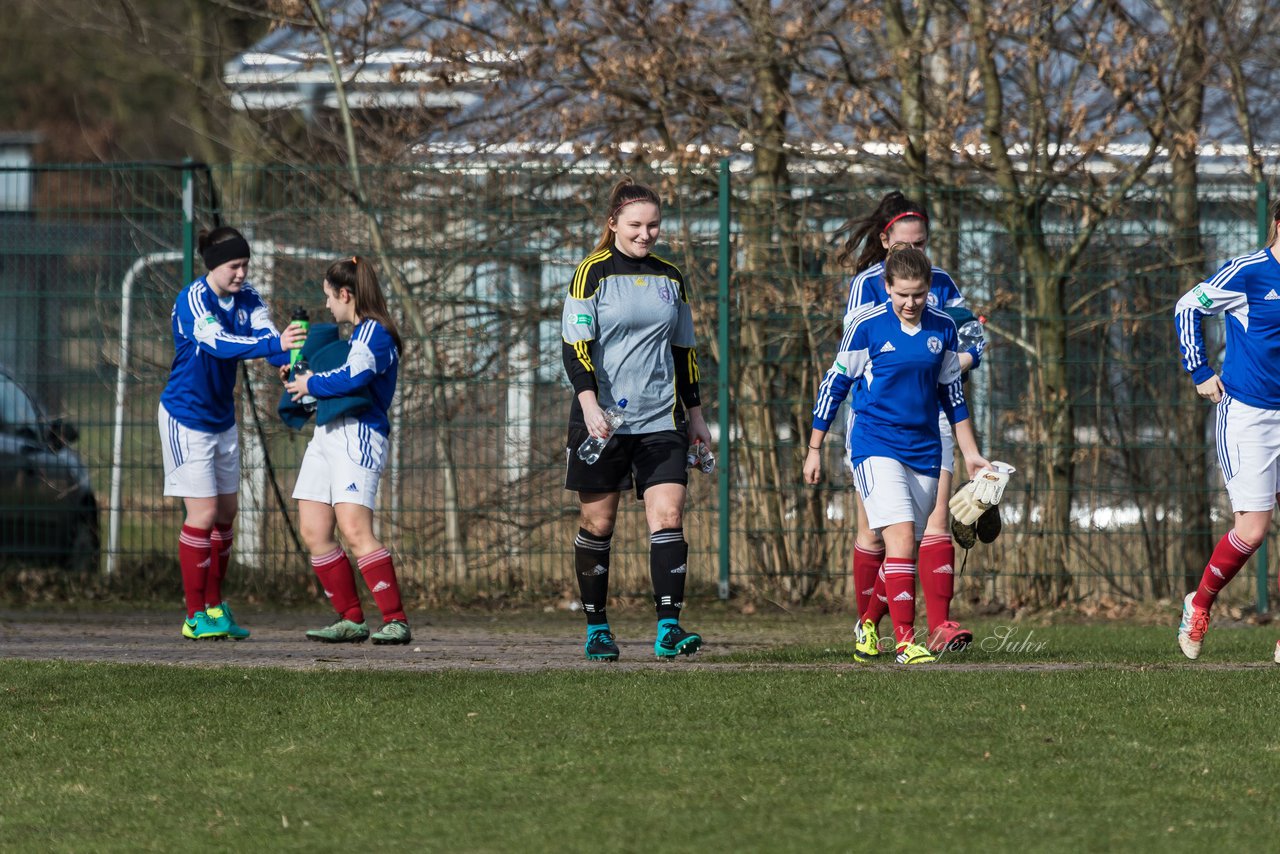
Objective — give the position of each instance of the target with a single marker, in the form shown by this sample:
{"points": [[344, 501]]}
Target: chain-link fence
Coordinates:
{"points": [[476, 262]]}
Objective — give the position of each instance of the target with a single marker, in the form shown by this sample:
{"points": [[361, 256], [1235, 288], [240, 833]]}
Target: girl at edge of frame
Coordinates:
{"points": [[896, 441], [217, 321], [628, 335], [899, 221], [1246, 290], [338, 480]]}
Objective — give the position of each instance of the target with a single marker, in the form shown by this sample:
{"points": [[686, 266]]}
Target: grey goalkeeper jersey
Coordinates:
{"points": [[621, 318]]}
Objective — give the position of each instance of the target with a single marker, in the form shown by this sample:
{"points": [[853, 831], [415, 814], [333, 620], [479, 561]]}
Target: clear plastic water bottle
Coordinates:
{"points": [[589, 451], [701, 458], [971, 334], [308, 401]]}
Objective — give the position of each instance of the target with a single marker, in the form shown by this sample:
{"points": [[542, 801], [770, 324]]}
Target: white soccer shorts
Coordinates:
{"points": [[198, 464], [342, 465], [1248, 440], [948, 461], [892, 493]]}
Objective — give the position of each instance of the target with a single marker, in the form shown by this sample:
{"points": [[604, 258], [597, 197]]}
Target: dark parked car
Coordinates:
{"points": [[48, 512]]}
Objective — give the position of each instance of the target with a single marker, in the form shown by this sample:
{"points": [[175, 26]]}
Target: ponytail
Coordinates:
{"points": [[356, 275]]}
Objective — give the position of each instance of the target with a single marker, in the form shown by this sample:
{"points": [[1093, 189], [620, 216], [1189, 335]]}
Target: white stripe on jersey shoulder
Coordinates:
{"points": [[1235, 265], [858, 278], [195, 298], [578, 288], [937, 312], [861, 317]]}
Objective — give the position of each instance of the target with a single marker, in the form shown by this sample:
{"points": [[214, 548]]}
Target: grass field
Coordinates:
{"points": [[1084, 737]]}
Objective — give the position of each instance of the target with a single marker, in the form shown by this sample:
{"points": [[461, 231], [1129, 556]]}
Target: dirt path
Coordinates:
{"points": [[521, 643]]}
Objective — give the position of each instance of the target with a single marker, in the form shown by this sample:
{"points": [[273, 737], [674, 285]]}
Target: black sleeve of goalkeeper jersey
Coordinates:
{"points": [[686, 360], [577, 364]]}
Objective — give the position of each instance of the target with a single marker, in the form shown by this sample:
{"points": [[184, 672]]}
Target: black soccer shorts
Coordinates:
{"points": [[643, 460]]}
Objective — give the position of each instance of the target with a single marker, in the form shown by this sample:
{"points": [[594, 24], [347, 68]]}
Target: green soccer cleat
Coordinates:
{"points": [[600, 645], [914, 653], [392, 632], [343, 631], [673, 641], [200, 627], [866, 643], [223, 618]]}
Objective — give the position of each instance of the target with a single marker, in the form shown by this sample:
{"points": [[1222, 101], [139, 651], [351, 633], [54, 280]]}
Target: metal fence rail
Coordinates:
{"points": [[472, 502]]}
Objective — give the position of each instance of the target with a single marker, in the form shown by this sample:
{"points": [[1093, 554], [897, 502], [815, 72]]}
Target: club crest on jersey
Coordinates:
{"points": [[932, 299], [934, 344], [666, 294], [1201, 297], [242, 317]]}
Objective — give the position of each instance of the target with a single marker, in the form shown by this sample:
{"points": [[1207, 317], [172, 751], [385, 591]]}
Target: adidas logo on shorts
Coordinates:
{"points": [[351, 487]]}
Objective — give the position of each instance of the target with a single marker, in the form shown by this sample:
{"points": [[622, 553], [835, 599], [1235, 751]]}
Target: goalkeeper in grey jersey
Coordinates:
{"points": [[628, 334]]}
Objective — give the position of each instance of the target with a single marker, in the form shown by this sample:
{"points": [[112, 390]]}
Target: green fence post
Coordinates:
{"points": [[722, 400], [1260, 560], [188, 220]]}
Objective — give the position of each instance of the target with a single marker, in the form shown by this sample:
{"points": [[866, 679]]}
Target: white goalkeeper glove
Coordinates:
{"points": [[964, 506], [989, 483], [980, 494]]}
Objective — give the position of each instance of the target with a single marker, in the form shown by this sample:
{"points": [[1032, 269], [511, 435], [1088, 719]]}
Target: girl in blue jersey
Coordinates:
{"points": [[1247, 291], [902, 222], [338, 480], [218, 320], [901, 360]]}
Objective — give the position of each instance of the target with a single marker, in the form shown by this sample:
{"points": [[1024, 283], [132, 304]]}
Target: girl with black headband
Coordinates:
{"points": [[899, 222], [218, 320]]}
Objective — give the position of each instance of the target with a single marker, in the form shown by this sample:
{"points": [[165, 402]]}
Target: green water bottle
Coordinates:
{"points": [[300, 318]]}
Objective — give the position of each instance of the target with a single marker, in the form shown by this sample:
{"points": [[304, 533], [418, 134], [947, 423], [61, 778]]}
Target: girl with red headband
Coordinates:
{"points": [[900, 222], [218, 321]]}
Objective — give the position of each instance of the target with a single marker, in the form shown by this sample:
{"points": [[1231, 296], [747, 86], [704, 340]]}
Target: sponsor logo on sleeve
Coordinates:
{"points": [[205, 322], [841, 368], [1201, 297], [583, 319]]}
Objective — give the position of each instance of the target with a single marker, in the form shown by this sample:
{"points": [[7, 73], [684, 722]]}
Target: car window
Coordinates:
{"points": [[16, 409]]}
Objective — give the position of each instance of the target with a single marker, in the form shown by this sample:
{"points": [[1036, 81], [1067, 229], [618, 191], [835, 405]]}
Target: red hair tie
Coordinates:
{"points": [[619, 208], [888, 225]]}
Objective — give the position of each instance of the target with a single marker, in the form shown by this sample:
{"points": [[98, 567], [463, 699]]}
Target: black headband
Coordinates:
{"points": [[217, 254]]}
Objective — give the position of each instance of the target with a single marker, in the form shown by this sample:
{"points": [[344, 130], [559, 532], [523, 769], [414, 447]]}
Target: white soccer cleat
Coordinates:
{"points": [[1195, 622]]}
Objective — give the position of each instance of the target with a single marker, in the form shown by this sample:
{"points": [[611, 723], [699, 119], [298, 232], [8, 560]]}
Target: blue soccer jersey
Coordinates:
{"points": [[373, 364], [211, 336], [906, 372], [867, 289], [1247, 291]]}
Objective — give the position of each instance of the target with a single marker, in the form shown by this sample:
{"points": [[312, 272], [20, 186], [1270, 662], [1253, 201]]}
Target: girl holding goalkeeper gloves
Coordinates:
{"points": [[895, 441], [896, 222]]}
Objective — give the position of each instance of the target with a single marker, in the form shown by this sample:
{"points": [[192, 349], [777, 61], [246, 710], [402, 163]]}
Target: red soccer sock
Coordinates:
{"points": [[380, 575], [878, 605], [937, 577], [339, 582], [866, 566], [193, 557], [220, 548], [1228, 557], [900, 585]]}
